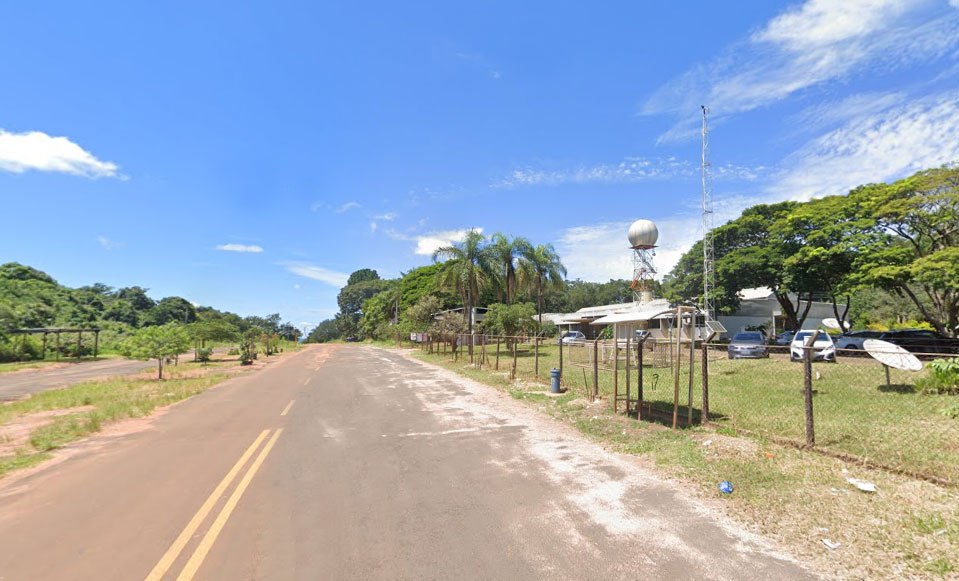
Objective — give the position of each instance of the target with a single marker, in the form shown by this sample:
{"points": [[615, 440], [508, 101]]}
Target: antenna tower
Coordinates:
{"points": [[708, 252]]}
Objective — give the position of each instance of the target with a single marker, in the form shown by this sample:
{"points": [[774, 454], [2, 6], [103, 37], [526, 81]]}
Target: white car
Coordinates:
{"points": [[822, 350], [573, 337]]}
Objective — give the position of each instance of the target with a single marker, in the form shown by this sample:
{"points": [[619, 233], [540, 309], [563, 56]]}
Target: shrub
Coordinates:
{"points": [[204, 354], [944, 378]]}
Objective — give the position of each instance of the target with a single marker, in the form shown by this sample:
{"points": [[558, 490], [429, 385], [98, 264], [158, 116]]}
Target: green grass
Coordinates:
{"points": [[20, 461], [110, 400], [855, 412], [794, 496]]}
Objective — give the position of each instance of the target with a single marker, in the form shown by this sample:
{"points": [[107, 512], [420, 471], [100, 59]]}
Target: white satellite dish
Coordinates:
{"points": [[892, 355], [832, 324]]}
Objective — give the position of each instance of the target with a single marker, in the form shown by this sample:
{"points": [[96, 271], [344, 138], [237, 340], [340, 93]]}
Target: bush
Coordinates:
{"points": [[944, 378], [204, 354], [549, 329], [20, 349]]}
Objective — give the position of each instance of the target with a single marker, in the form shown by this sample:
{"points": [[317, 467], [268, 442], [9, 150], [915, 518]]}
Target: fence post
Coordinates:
{"points": [[497, 352], [629, 355], [676, 362], [692, 357], [639, 381], [515, 349], [560, 342], [616, 375], [705, 414], [536, 356], [807, 389], [595, 369]]}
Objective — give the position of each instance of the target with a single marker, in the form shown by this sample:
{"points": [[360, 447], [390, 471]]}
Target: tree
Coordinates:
{"points": [[504, 253], [172, 309], [324, 332], [158, 342], [917, 255], [351, 299], [749, 254], [137, 296], [466, 269], [829, 233], [362, 275], [541, 271], [423, 281], [420, 315], [510, 320], [17, 271], [211, 330]]}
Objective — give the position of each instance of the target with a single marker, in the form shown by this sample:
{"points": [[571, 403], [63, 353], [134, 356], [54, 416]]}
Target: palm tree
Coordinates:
{"points": [[466, 270], [504, 254], [541, 269]]}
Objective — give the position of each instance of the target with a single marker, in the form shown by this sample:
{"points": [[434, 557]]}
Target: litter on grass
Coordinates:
{"points": [[726, 487], [831, 545], [863, 485]]}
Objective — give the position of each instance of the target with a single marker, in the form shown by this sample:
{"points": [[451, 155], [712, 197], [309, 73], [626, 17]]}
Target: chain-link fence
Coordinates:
{"points": [[850, 405]]}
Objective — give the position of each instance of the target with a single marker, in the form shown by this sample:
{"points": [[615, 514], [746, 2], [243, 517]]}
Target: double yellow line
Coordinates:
{"points": [[201, 551]]}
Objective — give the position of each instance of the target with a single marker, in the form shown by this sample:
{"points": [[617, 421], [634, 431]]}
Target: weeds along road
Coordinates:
{"points": [[351, 462], [21, 383]]}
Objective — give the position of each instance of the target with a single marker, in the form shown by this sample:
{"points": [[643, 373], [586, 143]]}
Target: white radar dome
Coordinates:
{"points": [[643, 233]]}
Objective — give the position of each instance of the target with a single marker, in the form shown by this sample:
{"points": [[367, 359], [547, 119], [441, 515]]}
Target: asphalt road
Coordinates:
{"points": [[349, 462], [19, 384]]}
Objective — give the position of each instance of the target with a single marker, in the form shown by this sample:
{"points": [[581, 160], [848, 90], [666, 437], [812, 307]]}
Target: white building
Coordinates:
{"points": [[758, 308]]}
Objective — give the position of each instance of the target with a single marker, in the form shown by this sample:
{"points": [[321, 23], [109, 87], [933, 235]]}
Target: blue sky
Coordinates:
{"points": [[250, 156]]}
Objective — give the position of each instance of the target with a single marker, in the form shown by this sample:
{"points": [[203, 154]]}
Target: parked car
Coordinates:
{"points": [[822, 350], [922, 341], [572, 337], [748, 344], [854, 339], [784, 338]]}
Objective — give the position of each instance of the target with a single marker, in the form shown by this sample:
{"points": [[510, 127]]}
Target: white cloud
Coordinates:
{"points": [[427, 244], [373, 226], [239, 248], [107, 243], [387, 216], [347, 207], [34, 150], [311, 271], [631, 169], [874, 146], [815, 42]]}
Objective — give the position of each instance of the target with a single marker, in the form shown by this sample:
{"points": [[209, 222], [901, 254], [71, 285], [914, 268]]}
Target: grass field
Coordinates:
{"points": [[855, 411], [908, 529]]}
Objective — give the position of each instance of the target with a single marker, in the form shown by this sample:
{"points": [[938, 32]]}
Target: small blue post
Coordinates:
{"points": [[554, 380]]}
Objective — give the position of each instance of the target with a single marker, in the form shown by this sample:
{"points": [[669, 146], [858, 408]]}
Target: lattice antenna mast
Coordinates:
{"points": [[708, 251]]}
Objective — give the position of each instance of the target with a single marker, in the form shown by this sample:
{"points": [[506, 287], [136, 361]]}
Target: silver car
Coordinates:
{"points": [[748, 345]]}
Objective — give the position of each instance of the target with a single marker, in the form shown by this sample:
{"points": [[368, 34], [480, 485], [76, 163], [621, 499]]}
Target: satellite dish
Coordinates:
{"points": [[892, 355], [831, 324]]}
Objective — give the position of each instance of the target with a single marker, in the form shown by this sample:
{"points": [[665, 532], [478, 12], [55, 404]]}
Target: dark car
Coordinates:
{"points": [[784, 338], [922, 341], [748, 345]]}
